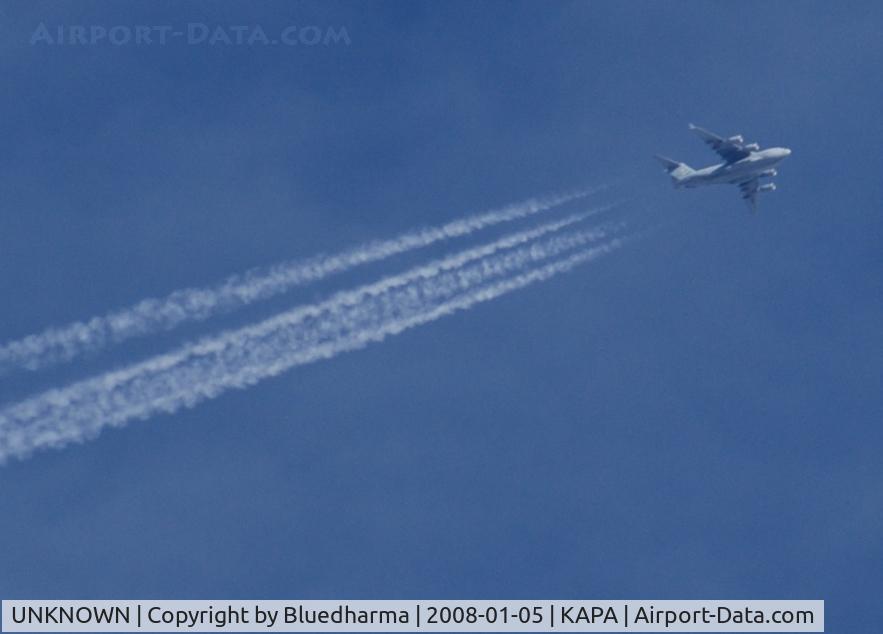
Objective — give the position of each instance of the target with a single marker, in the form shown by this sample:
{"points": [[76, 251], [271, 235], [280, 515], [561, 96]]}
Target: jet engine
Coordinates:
{"points": [[769, 172], [736, 139], [752, 147], [769, 187]]}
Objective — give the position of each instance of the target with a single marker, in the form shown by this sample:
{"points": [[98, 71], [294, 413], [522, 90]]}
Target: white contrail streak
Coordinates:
{"points": [[64, 343], [239, 358]]}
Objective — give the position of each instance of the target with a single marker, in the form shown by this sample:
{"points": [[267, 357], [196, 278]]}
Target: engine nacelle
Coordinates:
{"points": [[769, 187], [736, 139], [769, 172], [752, 147]]}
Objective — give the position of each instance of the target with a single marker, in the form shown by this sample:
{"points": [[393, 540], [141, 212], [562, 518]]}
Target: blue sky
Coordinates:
{"points": [[695, 416]]}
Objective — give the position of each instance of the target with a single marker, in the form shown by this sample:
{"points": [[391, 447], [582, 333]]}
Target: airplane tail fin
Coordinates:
{"points": [[677, 171]]}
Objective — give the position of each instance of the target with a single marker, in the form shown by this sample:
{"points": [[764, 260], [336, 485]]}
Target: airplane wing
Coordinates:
{"points": [[731, 150], [749, 190]]}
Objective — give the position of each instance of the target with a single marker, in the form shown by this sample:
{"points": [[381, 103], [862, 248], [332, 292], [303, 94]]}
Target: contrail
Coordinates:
{"points": [[57, 345], [236, 359]]}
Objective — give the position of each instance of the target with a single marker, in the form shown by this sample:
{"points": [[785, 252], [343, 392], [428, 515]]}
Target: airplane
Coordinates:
{"points": [[744, 165]]}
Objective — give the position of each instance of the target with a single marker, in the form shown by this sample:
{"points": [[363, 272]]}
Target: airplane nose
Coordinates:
{"points": [[786, 152]]}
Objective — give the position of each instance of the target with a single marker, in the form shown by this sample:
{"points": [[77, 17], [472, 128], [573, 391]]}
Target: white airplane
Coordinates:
{"points": [[744, 165]]}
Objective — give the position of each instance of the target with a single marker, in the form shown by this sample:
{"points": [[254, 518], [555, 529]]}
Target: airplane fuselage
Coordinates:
{"points": [[752, 166]]}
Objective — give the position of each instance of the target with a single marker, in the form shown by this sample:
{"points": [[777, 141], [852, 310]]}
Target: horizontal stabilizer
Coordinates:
{"points": [[678, 171], [668, 163]]}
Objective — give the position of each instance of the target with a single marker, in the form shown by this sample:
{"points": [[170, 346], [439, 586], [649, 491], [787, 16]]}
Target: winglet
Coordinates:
{"points": [[751, 201]]}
